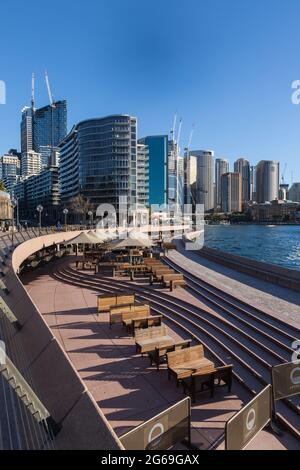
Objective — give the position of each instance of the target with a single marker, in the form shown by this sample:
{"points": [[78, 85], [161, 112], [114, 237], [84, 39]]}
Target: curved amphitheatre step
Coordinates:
{"points": [[290, 418]]}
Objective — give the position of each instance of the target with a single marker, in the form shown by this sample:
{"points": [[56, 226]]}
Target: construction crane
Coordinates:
{"points": [[179, 132], [174, 127], [32, 91], [283, 173], [52, 102]]}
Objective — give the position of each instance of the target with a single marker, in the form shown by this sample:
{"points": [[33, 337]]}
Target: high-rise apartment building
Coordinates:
{"points": [[267, 180], [294, 192], [242, 166], [30, 163], [142, 175], [98, 159], [42, 188], [180, 181], [231, 192], [190, 178], [221, 167], [9, 170], [158, 167], [205, 178], [253, 183]]}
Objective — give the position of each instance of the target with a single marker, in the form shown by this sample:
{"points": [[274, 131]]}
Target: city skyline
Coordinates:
{"points": [[241, 107]]}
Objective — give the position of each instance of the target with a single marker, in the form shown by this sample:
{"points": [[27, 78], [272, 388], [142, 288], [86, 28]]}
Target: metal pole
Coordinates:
{"points": [[13, 227]]}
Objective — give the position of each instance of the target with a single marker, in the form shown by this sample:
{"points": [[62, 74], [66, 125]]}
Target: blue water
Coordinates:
{"points": [[277, 244]]}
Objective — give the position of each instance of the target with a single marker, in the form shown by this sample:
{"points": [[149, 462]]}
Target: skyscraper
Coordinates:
{"points": [[27, 129], [221, 167], [190, 175], [253, 183], [242, 166], [142, 174], [231, 192], [205, 178], [267, 180], [158, 165], [49, 129], [98, 160]]}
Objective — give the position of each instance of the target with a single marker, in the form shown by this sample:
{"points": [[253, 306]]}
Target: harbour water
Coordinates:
{"points": [[277, 244]]}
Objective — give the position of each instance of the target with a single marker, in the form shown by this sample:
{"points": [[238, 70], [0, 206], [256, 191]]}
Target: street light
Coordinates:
{"points": [[90, 214], [65, 212], [14, 202], [40, 210]]}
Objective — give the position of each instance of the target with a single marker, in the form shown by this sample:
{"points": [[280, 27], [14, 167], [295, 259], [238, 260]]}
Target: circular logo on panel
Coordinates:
{"points": [[157, 430], [295, 378], [250, 419]]}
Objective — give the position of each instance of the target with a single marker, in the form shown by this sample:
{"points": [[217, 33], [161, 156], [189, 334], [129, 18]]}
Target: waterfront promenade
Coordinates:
{"points": [[277, 301], [122, 383]]}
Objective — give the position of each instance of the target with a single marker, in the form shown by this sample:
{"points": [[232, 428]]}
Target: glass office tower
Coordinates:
{"points": [[49, 129], [98, 159]]}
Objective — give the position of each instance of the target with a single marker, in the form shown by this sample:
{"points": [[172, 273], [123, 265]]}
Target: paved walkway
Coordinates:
{"points": [[280, 302], [125, 387]]}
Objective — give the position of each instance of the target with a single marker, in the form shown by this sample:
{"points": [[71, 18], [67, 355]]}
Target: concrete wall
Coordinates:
{"points": [[268, 272], [52, 376]]}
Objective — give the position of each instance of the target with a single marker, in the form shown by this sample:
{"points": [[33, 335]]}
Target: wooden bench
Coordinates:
{"points": [[167, 278], [146, 322], [159, 273], [121, 269], [206, 379], [159, 355], [106, 301], [177, 282], [120, 314], [185, 362], [148, 339]]}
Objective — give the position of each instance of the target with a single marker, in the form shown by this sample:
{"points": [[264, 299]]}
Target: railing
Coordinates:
{"points": [[40, 392]]}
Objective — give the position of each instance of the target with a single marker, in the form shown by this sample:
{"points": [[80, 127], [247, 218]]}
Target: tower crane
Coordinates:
{"points": [[32, 91], [283, 173], [52, 104]]}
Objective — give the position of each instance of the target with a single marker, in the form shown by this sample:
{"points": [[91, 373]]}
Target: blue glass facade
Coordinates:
{"points": [[49, 128], [158, 157]]}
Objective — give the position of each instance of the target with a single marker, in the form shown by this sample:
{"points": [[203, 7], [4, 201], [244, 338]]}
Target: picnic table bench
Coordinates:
{"points": [[146, 322], [208, 379], [147, 340], [167, 278], [120, 314], [106, 301], [159, 355], [185, 362]]}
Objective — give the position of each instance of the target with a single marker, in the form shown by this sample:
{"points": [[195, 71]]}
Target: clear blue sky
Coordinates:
{"points": [[226, 65]]}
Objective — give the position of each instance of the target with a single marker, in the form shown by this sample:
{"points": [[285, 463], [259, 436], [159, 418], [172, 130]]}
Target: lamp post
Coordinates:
{"points": [[14, 202], [90, 214], [40, 210], [65, 212]]}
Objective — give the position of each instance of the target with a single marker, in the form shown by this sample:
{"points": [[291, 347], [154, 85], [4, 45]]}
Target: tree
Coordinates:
{"points": [[80, 205], [2, 186]]}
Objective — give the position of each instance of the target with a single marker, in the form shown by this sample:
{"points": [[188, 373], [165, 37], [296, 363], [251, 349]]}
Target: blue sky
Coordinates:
{"points": [[225, 65]]}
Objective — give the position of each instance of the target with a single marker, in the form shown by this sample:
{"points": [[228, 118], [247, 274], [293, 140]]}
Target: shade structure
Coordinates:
{"points": [[97, 237], [131, 242], [84, 238]]}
